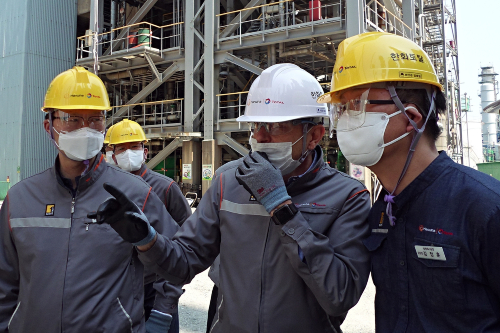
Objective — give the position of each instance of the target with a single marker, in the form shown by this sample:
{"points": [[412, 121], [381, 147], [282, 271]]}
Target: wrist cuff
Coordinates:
{"points": [[276, 197], [151, 235]]}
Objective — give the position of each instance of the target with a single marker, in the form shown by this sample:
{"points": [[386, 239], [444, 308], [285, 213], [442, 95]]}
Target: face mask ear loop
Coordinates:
{"points": [[305, 151], [51, 128], [389, 198]]}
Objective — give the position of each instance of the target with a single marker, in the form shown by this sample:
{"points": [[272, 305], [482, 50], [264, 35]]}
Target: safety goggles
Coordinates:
{"points": [[67, 122], [279, 128], [353, 112]]}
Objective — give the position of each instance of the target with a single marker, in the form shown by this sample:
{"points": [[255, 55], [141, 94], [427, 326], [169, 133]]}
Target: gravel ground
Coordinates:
{"points": [[193, 308]]}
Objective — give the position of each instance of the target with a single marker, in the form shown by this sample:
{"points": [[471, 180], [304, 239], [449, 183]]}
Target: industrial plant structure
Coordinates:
{"points": [[182, 69]]}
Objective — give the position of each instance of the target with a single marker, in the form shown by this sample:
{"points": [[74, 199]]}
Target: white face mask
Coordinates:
{"points": [[279, 154], [130, 160], [365, 145], [82, 144], [109, 158]]}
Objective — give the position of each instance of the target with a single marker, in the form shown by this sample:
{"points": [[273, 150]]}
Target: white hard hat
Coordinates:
{"points": [[283, 92]]}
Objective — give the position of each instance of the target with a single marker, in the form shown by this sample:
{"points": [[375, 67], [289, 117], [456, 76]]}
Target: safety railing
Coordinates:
{"points": [[156, 114], [131, 37], [232, 105], [277, 15], [379, 18]]}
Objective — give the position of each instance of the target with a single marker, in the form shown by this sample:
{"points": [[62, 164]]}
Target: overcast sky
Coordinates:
{"points": [[478, 29]]}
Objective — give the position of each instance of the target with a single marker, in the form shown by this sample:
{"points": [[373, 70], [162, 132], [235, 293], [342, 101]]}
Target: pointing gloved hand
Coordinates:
{"points": [[158, 322], [123, 215], [262, 180]]}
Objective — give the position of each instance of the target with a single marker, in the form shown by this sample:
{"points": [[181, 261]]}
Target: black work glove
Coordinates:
{"points": [[123, 215], [262, 180]]}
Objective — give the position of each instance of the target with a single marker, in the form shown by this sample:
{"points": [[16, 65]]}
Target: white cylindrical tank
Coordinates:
{"points": [[488, 96]]}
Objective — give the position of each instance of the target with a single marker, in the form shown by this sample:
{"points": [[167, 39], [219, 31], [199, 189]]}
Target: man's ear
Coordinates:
{"points": [[46, 125], [414, 115], [316, 133], [145, 153]]}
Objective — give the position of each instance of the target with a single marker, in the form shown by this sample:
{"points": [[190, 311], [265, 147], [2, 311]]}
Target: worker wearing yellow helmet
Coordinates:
{"points": [[127, 139], [435, 225], [108, 149], [69, 273]]}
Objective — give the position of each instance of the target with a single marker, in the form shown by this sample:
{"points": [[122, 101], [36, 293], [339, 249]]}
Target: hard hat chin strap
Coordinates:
{"points": [[389, 198]]}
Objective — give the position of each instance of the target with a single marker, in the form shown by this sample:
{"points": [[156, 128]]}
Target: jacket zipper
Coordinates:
{"points": [[262, 273], [126, 314], [12, 317], [73, 199]]}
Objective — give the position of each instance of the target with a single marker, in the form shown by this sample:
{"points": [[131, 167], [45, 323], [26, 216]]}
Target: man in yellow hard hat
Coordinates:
{"points": [[436, 224], [59, 271], [108, 149], [127, 141]]}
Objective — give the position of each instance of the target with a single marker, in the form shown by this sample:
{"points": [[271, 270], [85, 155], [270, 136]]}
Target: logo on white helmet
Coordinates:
{"points": [[269, 101]]}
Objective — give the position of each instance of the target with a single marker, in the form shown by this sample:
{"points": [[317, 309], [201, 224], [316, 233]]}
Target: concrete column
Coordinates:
{"points": [[355, 17], [191, 154], [211, 155], [409, 17]]}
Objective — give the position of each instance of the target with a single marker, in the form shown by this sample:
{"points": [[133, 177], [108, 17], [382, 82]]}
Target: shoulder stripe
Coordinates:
{"points": [[147, 196], [99, 163], [355, 194]]}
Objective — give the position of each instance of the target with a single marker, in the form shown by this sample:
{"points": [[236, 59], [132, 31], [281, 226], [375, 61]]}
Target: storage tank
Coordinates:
{"points": [[488, 95]]}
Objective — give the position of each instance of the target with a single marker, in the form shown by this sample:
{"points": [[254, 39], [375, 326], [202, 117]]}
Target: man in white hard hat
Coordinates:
{"points": [[59, 271], [435, 227], [288, 228]]}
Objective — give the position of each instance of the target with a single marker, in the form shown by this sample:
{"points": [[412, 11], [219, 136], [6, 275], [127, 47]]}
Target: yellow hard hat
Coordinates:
{"points": [[126, 131], [374, 57], [76, 89], [108, 134]]}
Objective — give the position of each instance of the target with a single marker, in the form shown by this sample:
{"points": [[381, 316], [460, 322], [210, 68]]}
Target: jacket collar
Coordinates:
{"points": [[298, 184], [88, 178], [423, 180], [143, 170]]}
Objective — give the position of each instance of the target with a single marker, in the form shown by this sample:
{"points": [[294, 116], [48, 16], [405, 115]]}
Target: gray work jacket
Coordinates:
{"points": [[264, 284], [177, 206], [169, 193], [59, 272]]}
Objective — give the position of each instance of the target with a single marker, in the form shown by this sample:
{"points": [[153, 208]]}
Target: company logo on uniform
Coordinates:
{"points": [[49, 210], [435, 231], [252, 198], [267, 101]]}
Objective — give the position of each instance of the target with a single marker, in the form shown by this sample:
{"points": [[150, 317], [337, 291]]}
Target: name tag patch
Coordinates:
{"points": [[430, 252]]}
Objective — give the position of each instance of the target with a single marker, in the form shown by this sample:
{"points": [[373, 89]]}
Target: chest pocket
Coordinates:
{"points": [[440, 280], [376, 243], [319, 217]]}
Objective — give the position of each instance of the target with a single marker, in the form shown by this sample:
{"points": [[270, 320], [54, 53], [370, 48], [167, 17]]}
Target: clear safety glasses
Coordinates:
{"points": [[279, 128], [69, 122], [351, 114]]}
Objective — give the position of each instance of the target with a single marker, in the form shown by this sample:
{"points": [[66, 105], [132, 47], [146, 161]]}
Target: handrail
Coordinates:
{"points": [[395, 16], [255, 7], [128, 26], [235, 93], [149, 103]]}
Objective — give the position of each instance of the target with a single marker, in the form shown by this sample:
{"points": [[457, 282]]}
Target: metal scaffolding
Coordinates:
{"points": [[182, 69]]}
